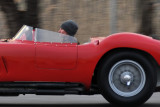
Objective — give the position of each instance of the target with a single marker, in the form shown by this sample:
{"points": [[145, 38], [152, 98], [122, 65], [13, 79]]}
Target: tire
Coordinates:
{"points": [[127, 78]]}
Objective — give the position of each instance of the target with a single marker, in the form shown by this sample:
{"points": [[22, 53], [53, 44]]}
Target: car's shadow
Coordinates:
{"points": [[70, 105]]}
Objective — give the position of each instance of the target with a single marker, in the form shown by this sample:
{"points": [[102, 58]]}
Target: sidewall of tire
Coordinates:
{"points": [[114, 98]]}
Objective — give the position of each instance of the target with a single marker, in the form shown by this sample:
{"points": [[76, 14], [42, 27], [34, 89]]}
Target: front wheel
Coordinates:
{"points": [[127, 78]]}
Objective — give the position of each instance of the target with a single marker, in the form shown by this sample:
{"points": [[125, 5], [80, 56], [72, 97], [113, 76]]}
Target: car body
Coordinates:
{"points": [[123, 67]]}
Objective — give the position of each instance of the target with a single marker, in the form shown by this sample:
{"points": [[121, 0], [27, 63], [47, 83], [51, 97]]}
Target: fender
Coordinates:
{"points": [[132, 40], [90, 54]]}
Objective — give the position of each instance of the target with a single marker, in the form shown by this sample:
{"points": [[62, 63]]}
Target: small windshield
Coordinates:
{"points": [[49, 36], [27, 33]]}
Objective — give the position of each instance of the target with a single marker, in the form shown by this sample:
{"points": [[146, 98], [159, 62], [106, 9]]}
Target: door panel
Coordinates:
{"points": [[56, 55]]}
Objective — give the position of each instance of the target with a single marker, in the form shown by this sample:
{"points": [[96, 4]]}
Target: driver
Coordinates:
{"points": [[68, 27]]}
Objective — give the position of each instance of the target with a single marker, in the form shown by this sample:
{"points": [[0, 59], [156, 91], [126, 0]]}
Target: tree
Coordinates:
{"points": [[146, 8], [15, 18]]}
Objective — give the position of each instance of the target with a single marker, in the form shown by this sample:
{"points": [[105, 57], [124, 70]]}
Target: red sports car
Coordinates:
{"points": [[123, 67]]}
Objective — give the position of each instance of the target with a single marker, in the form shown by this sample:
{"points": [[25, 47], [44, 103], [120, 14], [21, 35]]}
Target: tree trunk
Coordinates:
{"points": [[146, 8], [11, 14], [15, 19], [32, 13]]}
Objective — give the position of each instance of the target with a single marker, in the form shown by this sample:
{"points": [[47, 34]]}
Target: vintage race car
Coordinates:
{"points": [[123, 67]]}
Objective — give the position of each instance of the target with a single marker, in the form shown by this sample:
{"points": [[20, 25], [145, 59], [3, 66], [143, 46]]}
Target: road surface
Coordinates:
{"points": [[66, 101]]}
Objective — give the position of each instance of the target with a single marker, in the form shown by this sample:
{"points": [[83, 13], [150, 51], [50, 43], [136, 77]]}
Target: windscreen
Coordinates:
{"points": [[25, 33], [49, 36]]}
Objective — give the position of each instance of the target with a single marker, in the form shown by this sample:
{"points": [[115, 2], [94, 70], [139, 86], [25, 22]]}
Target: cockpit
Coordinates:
{"points": [[41, 35]]}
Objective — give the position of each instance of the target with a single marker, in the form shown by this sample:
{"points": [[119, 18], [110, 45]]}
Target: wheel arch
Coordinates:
{"points": [[118, 50]]}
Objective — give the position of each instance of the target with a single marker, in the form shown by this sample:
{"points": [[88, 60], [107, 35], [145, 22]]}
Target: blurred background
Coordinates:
{"points": [[94, 17]]}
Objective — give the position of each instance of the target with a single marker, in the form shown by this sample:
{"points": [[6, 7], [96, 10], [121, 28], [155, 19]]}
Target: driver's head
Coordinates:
{"points": [[68, 27]]}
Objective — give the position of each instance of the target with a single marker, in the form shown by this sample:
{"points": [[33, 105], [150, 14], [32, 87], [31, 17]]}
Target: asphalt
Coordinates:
{"points": [[66, 101]]}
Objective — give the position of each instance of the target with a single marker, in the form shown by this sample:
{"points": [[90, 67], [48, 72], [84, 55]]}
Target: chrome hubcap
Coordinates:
{"points": [[127, 78]]}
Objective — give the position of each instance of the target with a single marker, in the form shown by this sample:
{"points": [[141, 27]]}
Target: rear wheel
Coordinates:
{"points": [[127, 78]]}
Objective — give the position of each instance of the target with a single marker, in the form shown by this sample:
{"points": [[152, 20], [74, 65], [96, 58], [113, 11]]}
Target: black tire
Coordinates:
{"points": [[127, 78]]}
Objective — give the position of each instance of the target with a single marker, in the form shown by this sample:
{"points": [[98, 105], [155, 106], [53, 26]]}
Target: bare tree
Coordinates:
{"points": [[146, 9], [31, 16], [15, 18]]}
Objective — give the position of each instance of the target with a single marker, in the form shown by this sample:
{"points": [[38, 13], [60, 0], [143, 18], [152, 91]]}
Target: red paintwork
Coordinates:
{"points": [[56, 62]]}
